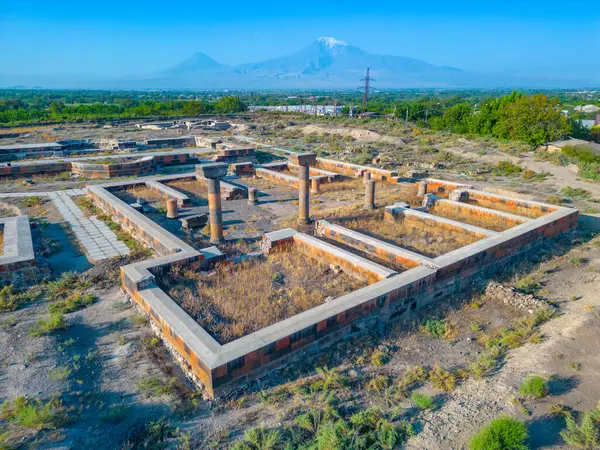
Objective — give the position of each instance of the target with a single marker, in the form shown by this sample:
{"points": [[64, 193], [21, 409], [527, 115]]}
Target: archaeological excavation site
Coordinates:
{"points": [[245, 276], [242, 286]]}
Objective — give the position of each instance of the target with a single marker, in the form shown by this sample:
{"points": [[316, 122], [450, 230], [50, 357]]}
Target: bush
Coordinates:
{"points": [[72, 303], [258, 438], [503, 433], [528, 285], [43, 327], [11, 299], [486, 362], [442, 379], [65, 285], [32, 201], [507, 169], [422, 401], [534, 386], [576, 193], [434, 327], [33, 413], [153, 386], [585, 434], [379, 358], [413, 375]]}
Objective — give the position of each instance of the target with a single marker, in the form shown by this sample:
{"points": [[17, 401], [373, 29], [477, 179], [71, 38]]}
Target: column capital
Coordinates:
{"points": [[212, 171], [303, 159]]}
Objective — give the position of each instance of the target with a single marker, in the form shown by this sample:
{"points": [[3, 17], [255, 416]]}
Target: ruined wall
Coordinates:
{"points": [[511, 205], [143, 166], [355, 170]]}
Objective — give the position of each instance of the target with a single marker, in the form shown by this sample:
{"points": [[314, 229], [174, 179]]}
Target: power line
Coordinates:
{"points": [[367, 79]]}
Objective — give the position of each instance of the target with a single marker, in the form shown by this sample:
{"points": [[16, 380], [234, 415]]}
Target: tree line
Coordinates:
{"points": [[13, 111]]}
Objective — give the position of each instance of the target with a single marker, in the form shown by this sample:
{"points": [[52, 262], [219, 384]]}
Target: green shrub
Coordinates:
{"points": [[34, 413], [434, 327], [528, 285], [116, 414], [11, 299], [441, 378], [72, 303], [379, 358], [32, 201], [503, 433], [258, 438], [422, 401], [576, 193], [66, 285], [274, 396], [153, 386], [329, 379], [584, 435], [534, 386], [507, 169], [555, 200], [59, 373], [486, 362], [43, 327]]}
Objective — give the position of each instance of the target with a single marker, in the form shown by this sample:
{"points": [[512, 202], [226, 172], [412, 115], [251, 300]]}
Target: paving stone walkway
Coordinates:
{"points": [[97, 239]]}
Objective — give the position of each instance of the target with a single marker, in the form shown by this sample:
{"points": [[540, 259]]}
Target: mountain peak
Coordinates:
{"points": [[197, 62], [332, 42]]}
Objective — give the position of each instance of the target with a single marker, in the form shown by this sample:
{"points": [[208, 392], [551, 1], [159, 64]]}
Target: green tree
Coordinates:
{"points": [[534, 119], [229, 104]]}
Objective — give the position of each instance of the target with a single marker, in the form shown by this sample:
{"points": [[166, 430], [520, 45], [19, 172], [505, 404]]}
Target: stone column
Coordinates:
{"points": [[315, 185], [366, 176], [370, 194], [422, 188], [172, 211], [252, 196], [304, 160], [213, 173]]}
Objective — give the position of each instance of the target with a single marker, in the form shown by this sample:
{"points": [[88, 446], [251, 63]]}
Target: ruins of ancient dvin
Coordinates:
{"points": [[393, 281]]}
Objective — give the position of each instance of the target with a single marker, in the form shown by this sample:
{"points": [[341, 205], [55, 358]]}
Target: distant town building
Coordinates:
{"points": [[155, 125], [587, 108], [207, 125], [322, 110]]}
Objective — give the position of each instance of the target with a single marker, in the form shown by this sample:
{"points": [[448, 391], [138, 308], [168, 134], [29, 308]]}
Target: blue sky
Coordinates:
{"points": [[135, 37]]}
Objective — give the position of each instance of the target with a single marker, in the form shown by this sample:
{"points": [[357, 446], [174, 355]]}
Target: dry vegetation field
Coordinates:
{"points": [[460, 216], [428, 241], [238, 299]]}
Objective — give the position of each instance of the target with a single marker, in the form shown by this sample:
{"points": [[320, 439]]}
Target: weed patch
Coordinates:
{"points": [[503, 433], [54, 323]]}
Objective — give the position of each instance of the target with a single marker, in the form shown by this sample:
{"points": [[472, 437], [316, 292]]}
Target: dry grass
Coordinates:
{"points": [[497, 224], [422, 239], [151, 197], [264, 184], [236, 300], [193, 186]]}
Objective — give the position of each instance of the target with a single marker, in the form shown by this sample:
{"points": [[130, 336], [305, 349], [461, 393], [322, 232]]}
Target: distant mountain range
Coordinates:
{"points": [[326, 63]]}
